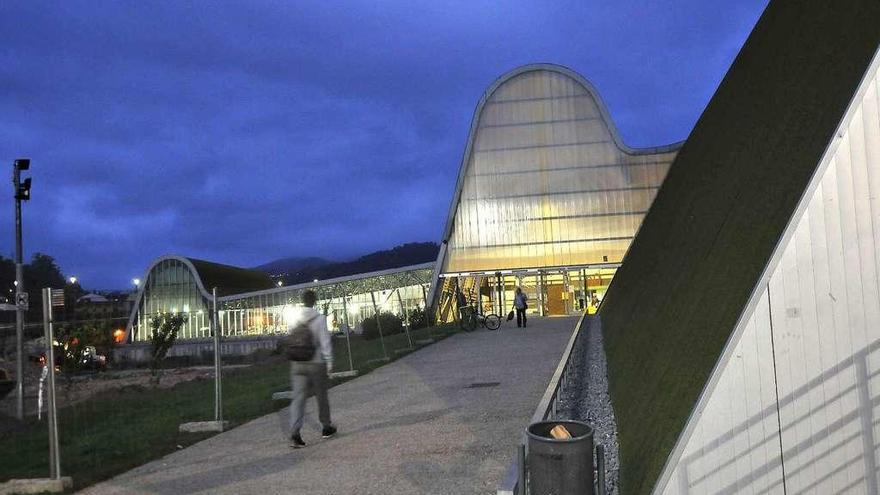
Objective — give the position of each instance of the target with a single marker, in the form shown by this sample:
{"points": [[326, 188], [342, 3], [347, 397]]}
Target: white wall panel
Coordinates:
{"points": [[828, 322], [802, 384], [734, 447]]}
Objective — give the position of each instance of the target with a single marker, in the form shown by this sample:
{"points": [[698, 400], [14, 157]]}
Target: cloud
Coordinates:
{"points": [[245, 131]]}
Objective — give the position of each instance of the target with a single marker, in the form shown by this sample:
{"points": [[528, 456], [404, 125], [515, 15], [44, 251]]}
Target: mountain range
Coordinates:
{"points": [[296, 270]]}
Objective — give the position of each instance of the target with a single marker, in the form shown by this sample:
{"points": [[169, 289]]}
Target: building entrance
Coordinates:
{"points": [[550, 292]]}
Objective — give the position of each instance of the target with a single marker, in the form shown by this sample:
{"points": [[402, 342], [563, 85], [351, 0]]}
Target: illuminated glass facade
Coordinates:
{"points": [[346, 301], [173, 285], [549, 198], [546, 181]]}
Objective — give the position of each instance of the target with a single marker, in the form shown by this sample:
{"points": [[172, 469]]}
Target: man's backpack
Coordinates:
{"points": [[300, 344]]}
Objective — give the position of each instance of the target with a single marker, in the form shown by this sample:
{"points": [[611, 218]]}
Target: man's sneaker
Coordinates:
{"points": [[328, 431], [296, 441]]}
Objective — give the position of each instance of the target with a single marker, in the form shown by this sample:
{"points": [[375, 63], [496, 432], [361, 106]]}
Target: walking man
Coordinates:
{"points": [[520, 304], [311, 360]]}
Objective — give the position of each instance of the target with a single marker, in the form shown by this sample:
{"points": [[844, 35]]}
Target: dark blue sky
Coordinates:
{"points": [[242, 132]]}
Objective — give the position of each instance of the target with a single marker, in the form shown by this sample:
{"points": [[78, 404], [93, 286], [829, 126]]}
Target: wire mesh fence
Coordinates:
{"points": [[116, 412]]}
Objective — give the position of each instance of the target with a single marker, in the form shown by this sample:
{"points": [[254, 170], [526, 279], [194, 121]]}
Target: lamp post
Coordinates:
{"points": [[22, 193]]}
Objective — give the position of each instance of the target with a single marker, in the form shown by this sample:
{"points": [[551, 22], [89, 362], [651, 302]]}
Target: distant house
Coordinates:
{"points": [[91, 298], [105, 306]]}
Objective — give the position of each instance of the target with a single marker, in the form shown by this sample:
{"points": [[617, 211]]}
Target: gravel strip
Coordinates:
{"points": [[587, 399]]}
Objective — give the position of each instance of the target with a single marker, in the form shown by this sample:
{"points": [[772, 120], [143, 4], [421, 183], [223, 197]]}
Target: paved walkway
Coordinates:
{"points": [[411, 427]]}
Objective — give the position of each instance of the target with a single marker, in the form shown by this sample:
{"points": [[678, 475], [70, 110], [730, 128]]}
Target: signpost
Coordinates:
{"points": [[51, 411], [21, 301]]}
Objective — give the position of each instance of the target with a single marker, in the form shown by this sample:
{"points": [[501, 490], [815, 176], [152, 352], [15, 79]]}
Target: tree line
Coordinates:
{"points": [[42, 271]]}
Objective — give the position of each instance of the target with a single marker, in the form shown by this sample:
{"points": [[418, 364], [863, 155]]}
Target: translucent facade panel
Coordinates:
{"points": [[546, 183], [170, 288], [796, 408]]}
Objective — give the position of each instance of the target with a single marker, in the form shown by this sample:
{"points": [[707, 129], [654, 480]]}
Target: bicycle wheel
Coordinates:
{"points": [[492, 322]]}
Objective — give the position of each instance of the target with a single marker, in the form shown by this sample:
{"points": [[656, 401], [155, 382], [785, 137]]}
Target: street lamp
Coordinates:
{"points": [[136, 282], [72, 280], [280, 283], [22, 192]]}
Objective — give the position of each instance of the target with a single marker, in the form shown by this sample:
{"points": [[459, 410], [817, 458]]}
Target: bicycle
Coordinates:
{"points": [[470, 319]]}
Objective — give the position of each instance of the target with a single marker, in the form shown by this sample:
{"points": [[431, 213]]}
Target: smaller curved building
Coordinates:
{"points": [[250, 304], [176, 284]]}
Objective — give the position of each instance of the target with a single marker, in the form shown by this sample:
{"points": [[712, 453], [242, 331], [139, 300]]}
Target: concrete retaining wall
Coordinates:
{"points": [[239, 346]]}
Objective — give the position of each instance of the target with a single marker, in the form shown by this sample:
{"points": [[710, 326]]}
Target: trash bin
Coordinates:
{"points": [[560, 467]]}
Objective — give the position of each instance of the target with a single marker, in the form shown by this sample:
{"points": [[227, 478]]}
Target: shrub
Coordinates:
{"points": [[165, 331], [391, 324], [418, 318]]}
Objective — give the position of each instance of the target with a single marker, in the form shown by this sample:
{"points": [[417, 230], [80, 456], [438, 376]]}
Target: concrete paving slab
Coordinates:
{"points": [[415, 426]]}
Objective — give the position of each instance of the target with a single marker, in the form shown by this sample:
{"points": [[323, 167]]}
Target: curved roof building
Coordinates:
{"points": [[176, 284], [546, 186], [251, 304]]}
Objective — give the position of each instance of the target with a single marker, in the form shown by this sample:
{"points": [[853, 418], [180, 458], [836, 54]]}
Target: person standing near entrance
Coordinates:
{"points": [[311, 360], [519, 303]]}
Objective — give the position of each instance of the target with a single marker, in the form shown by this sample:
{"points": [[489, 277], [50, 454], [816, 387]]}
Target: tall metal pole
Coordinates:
{"points": [[19, 311], [347, 332], [218, 388], [586, 295], [499, 286], [541, 292], [51, 413], [478, 283]]}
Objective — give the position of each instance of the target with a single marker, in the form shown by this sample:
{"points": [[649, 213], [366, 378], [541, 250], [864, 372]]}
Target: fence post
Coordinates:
{"points": [[347, 331], [218, 389], [379, 324], [51, 413], [406, 318]]}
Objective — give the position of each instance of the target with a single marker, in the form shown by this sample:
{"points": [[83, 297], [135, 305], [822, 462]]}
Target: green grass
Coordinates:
{"points": [[118, 430]]}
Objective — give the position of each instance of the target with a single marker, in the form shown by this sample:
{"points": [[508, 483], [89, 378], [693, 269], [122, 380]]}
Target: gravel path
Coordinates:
{"points": [[587, 399]]}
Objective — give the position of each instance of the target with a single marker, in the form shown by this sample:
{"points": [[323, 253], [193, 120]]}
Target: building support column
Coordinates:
{"points": [[541, 297]]}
